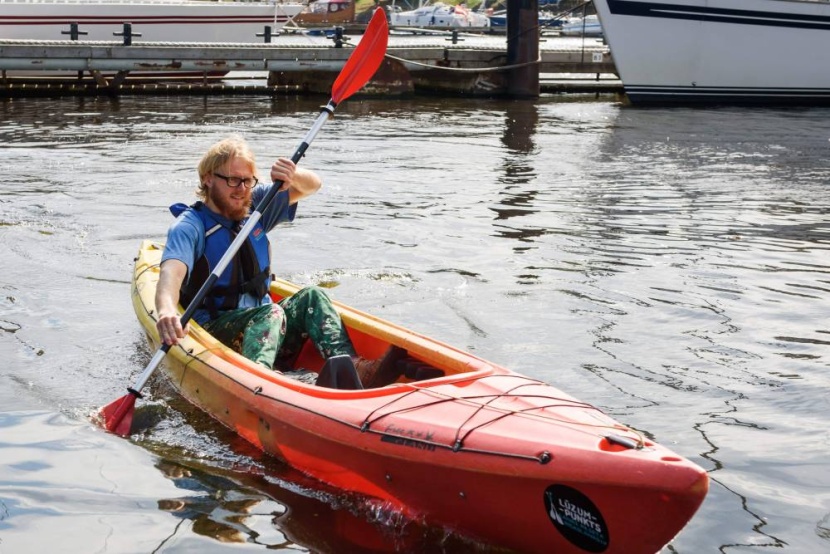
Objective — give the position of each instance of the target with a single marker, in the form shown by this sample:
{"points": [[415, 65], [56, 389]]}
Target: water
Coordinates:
{"points": [[667, 265]]}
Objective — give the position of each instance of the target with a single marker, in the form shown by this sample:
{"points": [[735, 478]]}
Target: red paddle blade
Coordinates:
{"points": [[117, 416], [365, 59]]}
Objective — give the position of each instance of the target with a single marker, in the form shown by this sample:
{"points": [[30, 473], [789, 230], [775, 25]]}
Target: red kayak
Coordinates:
{"points": [[456, 441]]}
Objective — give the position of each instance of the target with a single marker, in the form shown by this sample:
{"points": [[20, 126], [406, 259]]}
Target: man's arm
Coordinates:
{"points": [[169, 325]]}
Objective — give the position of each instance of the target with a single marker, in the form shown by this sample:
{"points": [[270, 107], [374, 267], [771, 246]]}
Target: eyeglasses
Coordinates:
{"points": [[234, 182]]}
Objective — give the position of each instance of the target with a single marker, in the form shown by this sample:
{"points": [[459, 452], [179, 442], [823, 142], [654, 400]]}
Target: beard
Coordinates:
{"points": [[228, 209]]}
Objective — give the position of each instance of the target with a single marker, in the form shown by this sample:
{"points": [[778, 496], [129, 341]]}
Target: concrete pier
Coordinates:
{"points": [[466, 66]]}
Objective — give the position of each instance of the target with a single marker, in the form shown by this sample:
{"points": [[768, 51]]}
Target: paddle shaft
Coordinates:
{"points": [[325, 113]]}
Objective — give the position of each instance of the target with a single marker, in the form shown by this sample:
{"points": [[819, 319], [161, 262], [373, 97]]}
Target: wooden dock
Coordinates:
{"points": [[442, 65]]}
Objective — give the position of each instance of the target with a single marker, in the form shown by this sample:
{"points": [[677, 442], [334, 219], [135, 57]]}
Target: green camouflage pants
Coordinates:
{"points": [[274, 334]]}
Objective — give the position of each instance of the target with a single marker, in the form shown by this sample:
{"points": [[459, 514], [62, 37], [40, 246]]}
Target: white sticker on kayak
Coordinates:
{"points": [[576, 517]]}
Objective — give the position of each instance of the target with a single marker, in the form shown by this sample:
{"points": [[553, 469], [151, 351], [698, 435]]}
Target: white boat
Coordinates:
{"points": [[155, 20], [720, 51], [437, 15], [498, 21], [588, 26]]}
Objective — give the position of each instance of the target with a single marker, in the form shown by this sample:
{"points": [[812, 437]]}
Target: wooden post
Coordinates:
{"points": [[523, 48]]}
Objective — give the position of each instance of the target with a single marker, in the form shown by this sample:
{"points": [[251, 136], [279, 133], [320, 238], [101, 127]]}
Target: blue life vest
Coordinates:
{"points": [[248, 272]]}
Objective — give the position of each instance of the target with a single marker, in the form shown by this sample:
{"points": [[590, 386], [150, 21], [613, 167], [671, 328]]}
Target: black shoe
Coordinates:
{"points": [[339, 373], [389, 369]]}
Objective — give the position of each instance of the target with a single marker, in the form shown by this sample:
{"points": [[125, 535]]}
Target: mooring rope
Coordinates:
{"points": [[467, 69]]}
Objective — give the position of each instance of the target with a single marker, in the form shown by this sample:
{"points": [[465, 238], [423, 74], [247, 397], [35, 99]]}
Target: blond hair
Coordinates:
{"points": [[222, 152]]}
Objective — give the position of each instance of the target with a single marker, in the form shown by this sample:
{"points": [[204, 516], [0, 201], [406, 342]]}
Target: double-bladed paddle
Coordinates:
{"points": [[364, 61]]}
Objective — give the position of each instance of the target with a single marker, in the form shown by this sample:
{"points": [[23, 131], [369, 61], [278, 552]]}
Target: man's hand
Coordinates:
{"points": [[283, 170], [298, 181], [170, 329]]}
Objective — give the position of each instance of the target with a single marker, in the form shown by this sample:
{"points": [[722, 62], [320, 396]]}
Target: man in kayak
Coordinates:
{"points": [[238, 310]]}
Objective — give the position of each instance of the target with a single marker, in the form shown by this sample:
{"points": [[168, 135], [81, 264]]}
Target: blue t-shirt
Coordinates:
{"points": [[186, 239]]}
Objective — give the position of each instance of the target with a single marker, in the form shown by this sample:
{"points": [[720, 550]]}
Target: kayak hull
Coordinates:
{"points": [[481, 450]]}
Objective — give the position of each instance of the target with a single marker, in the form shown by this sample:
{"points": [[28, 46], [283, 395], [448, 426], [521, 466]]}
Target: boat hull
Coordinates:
{"points": [[158, 21], [720, 51], [176, 21], [481, 450]]}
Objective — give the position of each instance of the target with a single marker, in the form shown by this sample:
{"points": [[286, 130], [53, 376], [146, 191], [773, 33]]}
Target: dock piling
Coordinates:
{"points": [[523, 48]]}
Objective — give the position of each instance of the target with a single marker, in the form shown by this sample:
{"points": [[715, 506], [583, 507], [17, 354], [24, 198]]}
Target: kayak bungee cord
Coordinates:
{"points": [[441, 398]]}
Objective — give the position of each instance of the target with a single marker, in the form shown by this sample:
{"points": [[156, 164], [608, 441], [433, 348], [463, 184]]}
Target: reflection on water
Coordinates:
{"points": [[667, 265], [240, 495], [516, 199], [278, 508], [219, 509]]}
